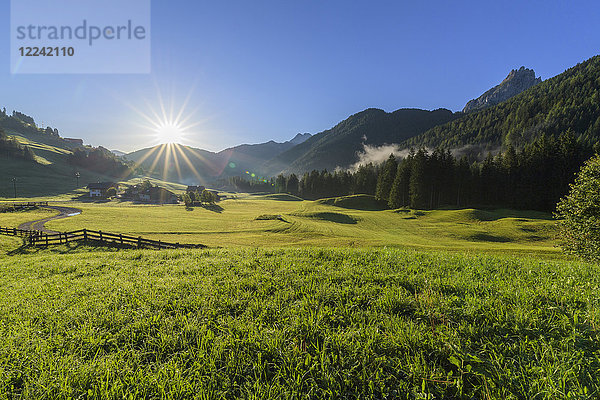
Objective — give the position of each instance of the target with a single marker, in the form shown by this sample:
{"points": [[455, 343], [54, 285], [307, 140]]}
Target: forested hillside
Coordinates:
{"points": [[338, 146], [569, 101]]}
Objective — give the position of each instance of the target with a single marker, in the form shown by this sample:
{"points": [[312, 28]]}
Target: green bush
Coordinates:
{"points": [[579, 213]]}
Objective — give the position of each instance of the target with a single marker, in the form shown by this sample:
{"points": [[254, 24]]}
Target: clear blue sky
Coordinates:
{"points": [[261, 70]]}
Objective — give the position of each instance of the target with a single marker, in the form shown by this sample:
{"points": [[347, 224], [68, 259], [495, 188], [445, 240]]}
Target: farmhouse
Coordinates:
{"points": [[100, 189], [157, 194]]}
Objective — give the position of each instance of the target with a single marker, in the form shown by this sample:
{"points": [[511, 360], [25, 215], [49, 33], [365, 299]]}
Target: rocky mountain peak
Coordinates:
{"points": [[300, 138], [517, 81]]}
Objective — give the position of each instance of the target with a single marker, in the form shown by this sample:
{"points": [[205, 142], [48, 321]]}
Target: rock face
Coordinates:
{"points": [[516, 82], [300, 138]]}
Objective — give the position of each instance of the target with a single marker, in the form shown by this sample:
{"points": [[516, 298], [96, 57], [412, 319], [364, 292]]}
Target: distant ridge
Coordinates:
{"points": [[199, 164]]}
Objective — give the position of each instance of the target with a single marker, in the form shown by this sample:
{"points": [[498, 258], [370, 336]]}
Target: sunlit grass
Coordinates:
{"points": [[305, 323], [307, 223]]}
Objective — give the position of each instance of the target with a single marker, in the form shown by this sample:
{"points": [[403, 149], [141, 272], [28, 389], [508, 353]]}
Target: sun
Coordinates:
{"points": [[166, 120], [169, 132]]}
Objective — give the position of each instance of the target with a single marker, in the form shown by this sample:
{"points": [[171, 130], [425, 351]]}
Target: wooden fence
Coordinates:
{"points": [[38, 238]]}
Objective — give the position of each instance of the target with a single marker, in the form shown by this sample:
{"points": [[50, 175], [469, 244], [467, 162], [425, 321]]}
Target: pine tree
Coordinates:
{"points": [[418, 181], [399, 194], [386, 179], [291, 185]]}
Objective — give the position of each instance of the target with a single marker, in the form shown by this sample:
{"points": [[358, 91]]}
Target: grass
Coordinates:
{"points": [[16, 218], [241, 221], [302, 323]]}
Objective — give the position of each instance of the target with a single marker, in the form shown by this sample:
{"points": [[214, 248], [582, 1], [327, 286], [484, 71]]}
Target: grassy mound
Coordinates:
{"points": [[328, 216], [296, 324], [270, 217], [471, 214], [486, 237], [282, 197], [355, 202]]}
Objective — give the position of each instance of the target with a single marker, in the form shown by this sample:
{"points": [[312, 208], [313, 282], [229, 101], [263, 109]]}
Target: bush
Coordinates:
{"points": [[579, 213]]}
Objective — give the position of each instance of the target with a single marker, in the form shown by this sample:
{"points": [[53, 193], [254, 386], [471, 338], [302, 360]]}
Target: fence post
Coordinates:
{"points": [[84, 235], [14, 231], [100, 232], [159, 245], [46, 239], [139, 242], [121, 237]]}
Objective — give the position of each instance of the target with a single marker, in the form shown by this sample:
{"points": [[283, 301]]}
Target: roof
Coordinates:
{"points": [[102, 185], [158, 190]]}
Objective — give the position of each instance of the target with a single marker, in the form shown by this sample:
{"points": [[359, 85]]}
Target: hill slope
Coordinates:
{"points": [[51, 171], [338, 146], [567, 101]]}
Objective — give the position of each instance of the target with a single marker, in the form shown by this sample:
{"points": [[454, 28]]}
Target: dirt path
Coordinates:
{"points": [[64, 212]]}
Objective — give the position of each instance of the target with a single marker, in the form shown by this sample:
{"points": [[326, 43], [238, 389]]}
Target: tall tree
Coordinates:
{"points": [[418, 181], [386, 179]]}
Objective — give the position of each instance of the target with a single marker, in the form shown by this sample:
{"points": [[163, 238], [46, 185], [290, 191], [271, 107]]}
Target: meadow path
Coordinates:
{"points": [[38, 225]]}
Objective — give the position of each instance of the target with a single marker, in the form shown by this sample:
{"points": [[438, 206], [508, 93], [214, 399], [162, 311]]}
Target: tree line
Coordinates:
{"points": [[533, 177], [199, 199], [100, 160]]}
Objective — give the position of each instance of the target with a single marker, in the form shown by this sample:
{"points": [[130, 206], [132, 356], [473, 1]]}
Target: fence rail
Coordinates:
{"points": [[39, 238]]}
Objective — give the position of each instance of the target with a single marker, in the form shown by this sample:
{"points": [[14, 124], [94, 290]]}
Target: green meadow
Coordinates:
{"points": [[279, 220], [80, 322], [331, 299]]}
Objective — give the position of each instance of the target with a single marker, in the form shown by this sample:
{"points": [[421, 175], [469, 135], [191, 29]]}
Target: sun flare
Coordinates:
{"points": [[170, 128], [169, 132]]}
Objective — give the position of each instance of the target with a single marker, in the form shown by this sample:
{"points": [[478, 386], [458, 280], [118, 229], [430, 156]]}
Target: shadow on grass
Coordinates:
{"points": [[85, 198], [213, 207], [356, 202], [338, 218], [72, 247], [271, 217]]}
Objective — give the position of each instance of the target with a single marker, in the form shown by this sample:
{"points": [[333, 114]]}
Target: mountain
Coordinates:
{"points": [[191, 165], [339, 146], [568, 102], [516, 82], [300, 138]]}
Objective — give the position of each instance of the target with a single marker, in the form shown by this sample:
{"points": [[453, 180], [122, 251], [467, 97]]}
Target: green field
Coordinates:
{"points": [[14, 219], [298, 323], [252, 221], [334, 298]]}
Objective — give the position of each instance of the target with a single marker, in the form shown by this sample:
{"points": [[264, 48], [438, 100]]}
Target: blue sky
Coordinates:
{"points": [[262, 70]]}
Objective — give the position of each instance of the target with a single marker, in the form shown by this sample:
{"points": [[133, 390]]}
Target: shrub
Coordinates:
{"points": [[579, 213]]}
